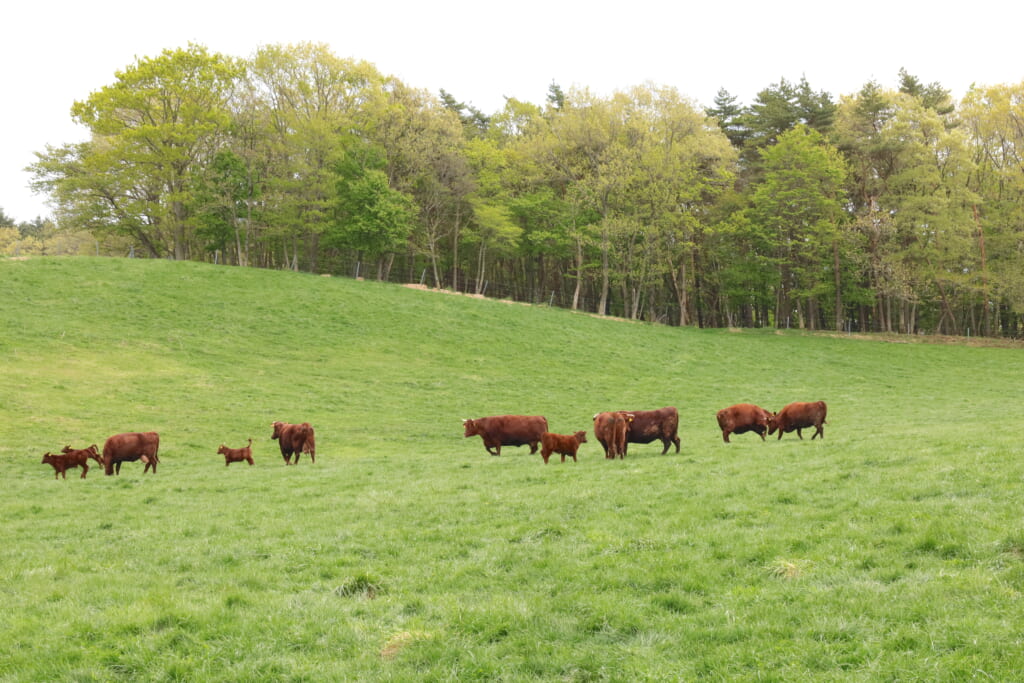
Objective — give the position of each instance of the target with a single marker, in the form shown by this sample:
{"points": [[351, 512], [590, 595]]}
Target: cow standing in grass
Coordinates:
{"points": [[799, 416], [742, 418], [650, 425], [507, 430], [294, 439], [129, 447], [610, 429]]}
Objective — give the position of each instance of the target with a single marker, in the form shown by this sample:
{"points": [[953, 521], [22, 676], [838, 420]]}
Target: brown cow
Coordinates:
{"points": [[799, 416], [294, 439], [742, 418], [648, 425], [129, 447], [507, 430], [563, 444], [90, 452], [67, 461], [236, 454], [611, 428]]}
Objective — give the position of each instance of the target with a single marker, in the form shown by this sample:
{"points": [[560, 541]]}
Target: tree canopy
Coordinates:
{"points": [[891, 209]]}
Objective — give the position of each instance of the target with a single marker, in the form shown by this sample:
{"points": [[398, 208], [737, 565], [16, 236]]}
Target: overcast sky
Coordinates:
{"points": [[54, 53]]}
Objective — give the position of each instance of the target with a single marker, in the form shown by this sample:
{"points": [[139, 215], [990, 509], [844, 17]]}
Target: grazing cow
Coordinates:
{"points": [[742, 418], [90, 452], [129, 447], [67, 461], [563, 444], [507, 430], [648, 425], [798, 416], [294, 439], [611, 428], [236, 454]]}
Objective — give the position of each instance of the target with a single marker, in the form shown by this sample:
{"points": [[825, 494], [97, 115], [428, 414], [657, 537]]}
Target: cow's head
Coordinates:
{"points": [[223, 450], [581, 437], [471, 428], [772, 423], [277, 429], [47, 458]]}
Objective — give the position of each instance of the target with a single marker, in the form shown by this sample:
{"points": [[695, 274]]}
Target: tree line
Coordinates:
{"points": [[895, 210]]}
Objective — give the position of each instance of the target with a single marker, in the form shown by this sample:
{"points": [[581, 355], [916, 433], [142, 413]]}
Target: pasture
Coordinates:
{"points": [[892, 549]]}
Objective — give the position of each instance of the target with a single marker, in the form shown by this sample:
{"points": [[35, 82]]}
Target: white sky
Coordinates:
{"points": [[54, 53]]}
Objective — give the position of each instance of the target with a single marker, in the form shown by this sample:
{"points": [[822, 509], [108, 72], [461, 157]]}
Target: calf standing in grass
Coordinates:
{"points": [[61, 463], [563, 444], [90, 452], [236, 454]]}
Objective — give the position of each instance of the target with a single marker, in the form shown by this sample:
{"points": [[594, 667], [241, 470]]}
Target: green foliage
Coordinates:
{"points": [[630, 198], [799, 205], [407, 553], [373, 218]]}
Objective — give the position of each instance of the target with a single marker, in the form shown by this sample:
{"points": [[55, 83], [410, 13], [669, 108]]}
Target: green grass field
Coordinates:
{"points": [[892, 550]]}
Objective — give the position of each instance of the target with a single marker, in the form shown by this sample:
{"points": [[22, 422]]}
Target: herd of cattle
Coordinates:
{"points": [[615, 430], [294, 439]]}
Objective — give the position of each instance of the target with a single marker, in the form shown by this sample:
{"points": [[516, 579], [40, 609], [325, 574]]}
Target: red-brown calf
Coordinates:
{"points": [[66, 461], [236, 454], [90, 452], [563, 444]]}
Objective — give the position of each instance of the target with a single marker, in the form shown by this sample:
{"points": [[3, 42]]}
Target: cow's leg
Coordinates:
{"points": [[85, 470], [799, 432], [533, 447], [725, 436]]}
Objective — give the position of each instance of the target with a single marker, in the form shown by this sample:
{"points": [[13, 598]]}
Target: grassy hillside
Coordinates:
{"points": [[892, 549]]}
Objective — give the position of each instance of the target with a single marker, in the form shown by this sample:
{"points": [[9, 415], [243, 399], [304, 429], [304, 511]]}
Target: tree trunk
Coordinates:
{"points": [[579, 274], [679, 287], [602, 307], [838, 281]]}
